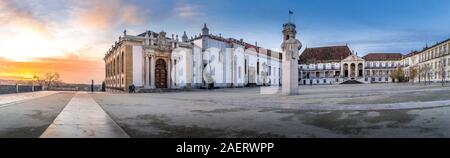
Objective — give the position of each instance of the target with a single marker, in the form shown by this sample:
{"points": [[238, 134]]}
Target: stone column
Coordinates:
{"points": [[152, 71], [169, 73], [349, 70], [356, 71], [147, 72]]}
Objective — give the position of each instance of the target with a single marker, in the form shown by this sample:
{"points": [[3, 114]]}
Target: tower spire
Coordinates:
{"points": [[184, 38], [205, 30]]}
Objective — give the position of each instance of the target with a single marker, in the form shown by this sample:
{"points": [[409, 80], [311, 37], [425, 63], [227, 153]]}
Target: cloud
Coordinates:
{"points": [[188, 11], [75, 70], [101, 14], [13, 16]]}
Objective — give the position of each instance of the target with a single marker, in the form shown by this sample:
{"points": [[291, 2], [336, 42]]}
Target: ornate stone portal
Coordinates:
{"points": [[290, 48]]}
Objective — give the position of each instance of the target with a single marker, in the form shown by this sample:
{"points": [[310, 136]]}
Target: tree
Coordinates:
{"points": [[394, 75], [398, 75], [103, 86], [413, 74], [443, 65], [51, 79]]}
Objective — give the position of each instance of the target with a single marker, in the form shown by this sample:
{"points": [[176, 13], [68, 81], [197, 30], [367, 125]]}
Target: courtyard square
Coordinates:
{"points": [[336, 111], [375, 110]]}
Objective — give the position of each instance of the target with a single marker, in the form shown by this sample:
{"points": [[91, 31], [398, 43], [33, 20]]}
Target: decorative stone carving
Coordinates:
{"points": [[163, 43]]}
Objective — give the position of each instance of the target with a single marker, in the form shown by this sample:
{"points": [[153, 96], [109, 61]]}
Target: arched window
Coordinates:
{"points": [[123, 62]]}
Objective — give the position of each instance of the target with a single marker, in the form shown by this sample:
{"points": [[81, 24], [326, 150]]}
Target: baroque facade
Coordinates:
{"points": [[338, 64], [155, 61]]}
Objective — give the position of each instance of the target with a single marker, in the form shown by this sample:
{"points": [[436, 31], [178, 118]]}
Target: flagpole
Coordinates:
{"points": [[290, 20]]}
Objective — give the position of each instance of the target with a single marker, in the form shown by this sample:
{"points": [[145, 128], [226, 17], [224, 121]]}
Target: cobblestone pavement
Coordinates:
{"points": [[6, 99], [377, 110], [30, 118]]}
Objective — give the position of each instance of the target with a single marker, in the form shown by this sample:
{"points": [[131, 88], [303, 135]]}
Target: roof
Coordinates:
{"points": [[248, 46], [324, 54], [412, 54], [383, 56], [427, 48]]}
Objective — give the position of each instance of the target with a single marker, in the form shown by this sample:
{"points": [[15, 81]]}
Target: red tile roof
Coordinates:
{"points": [[248, 46], [324, 54], [383, 56]]}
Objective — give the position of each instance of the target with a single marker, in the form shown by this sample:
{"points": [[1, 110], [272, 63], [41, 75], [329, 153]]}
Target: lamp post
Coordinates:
{"points": [[92, 86]]}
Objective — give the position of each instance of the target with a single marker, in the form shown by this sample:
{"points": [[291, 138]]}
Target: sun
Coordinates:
{"points": [[27, 45]]}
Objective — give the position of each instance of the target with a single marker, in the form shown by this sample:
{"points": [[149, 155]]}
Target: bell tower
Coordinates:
{"points": [[290, 56], [289, 31]]}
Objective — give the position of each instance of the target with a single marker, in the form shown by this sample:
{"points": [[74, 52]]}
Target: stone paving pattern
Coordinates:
{"points": [[377, 110]]}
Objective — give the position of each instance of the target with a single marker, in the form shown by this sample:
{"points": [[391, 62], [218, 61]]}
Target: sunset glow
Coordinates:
{"points": [[72, 36]]}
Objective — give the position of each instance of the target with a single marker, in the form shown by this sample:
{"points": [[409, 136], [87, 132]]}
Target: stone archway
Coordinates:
{"points": [[360, 70], [346, 70], [353, 71], [160, 74]]}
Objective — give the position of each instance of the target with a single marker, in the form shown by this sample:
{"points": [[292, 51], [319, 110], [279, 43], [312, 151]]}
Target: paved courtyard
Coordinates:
{"points": [[377, 110]]}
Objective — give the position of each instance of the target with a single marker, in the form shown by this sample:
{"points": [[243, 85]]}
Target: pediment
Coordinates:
{"points": [[353, 58]]}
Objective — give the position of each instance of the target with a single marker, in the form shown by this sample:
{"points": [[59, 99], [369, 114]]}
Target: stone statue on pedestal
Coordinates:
{"points": [[290, 55]]}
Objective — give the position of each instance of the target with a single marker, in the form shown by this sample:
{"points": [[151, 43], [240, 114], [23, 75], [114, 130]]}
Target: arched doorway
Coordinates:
{"points": [[346, 73], [360, 70], [160, 74], [353, 71]]}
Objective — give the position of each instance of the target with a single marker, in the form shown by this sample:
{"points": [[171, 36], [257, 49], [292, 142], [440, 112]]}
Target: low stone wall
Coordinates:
{"points": [[7, 89]]}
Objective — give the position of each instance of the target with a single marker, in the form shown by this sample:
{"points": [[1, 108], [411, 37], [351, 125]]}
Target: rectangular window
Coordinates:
{"points": [[123, 63], [245, 66], [257, 68], [279, 72], [270, 71]]}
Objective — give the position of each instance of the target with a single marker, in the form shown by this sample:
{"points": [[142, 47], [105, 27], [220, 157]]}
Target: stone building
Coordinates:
{"points": [[154, 60], [432, 63], [379, 66], [322, 65], [338, 64]]}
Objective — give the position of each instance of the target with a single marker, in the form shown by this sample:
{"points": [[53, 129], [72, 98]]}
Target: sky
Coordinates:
{"points": [[71, 36]]}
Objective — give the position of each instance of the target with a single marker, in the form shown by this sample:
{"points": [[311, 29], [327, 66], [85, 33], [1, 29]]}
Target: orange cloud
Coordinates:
{"points": [[99, 14], [18, 18], [72, 70]]}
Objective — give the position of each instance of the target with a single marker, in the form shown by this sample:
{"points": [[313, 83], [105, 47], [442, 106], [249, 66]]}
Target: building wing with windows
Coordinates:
{"points": [[154, 60]]}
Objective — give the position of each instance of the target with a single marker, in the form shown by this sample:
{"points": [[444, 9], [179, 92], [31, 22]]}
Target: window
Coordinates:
{"points": [[123, 63], [279, 71], [270, 71], [245, 68], [257, 68]]}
